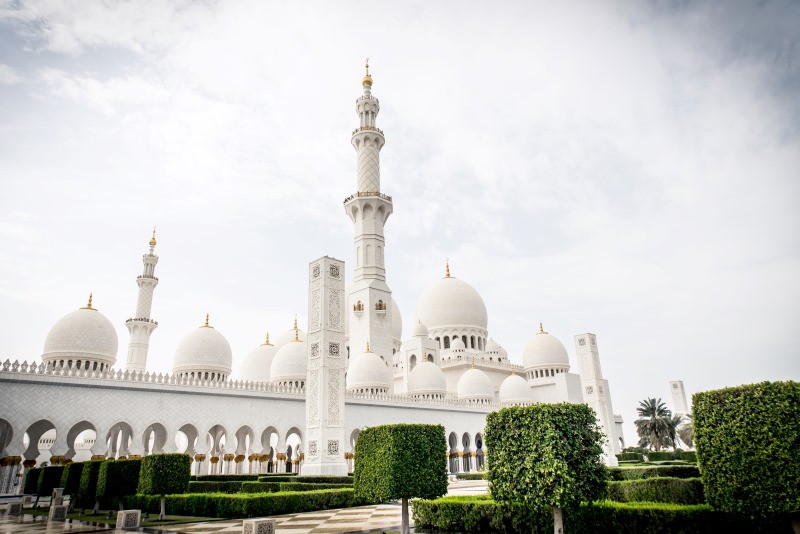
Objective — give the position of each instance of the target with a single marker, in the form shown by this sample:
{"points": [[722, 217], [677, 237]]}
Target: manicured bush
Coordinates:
{"points": [[260, 487], [637, 473], [87, 489], [662, 456], [689, 456], [116, 479], [49, 478], [660, 489], [308, 479], [307, 486], [163, 474], [224, 478], [482, 515], [748, 448], [400, 462], [32, 481], [545, 457], [668, 462], [71, 478], [471, 476], [203, 486], [246, 505], [630, 456]]}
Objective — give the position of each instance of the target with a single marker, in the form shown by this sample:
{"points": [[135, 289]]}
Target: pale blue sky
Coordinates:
{"points": [[623, 168]]}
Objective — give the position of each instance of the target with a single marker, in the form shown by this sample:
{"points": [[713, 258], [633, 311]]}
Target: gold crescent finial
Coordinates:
{"points": [[366, 66], [153, 239], [89, 304], [473, 362], [267, 340], [541, 328], [207, 325], [368, 347], [296, 333], [447, 268], [366, 81]]}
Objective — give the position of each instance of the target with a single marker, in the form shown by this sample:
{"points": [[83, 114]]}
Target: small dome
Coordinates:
{"points": [[449, 302], [457, 344], [514, 391], [289, 363], [368, 371], [203, 350], [427, 379], [420, 330], [288, 336], [492, 346], [257, 363], [544, 350], [84, 334], [397, 321], [475, 385]]}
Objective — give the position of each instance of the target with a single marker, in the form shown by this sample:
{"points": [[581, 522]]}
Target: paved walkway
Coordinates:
{"points": [[353, 520]]}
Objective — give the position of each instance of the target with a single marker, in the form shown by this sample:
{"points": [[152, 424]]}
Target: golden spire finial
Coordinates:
{"points": [[513, 371], [267, 340], [296, 333], [541, 329], [89, 304], [153, 239], [368, 347], [206, 325], [447, 268], [367, 80], [473, 362]]}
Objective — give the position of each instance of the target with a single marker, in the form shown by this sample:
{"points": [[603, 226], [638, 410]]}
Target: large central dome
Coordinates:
{"points": [[449, 302]]}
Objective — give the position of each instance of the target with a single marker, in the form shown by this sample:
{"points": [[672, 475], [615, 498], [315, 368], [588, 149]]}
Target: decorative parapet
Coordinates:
{"points": [[466, 358], [448, 401], [368, 194], [141, 320], [149, 276]]}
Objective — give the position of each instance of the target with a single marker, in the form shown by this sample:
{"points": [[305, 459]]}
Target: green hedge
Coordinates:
{"points": [[71, 478], [224, 478], [482, 515], [748, 447], [32, 481], [308, 479], [204, 486], [630, 457], [117, 478], [260, 487], [87, 489], [163, 474], [307, 486], [49, 478], [221, 505], [660, 489], [637, 473], [471, 476]]}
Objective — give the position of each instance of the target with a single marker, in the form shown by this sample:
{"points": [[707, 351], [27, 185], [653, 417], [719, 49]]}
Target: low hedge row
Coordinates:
{"points": [[686, 456], [471, 476], [481, 514], [637, 473], [221, 505], [308, 479], [71, 478], [630, 457], [659, 489], [205, 486], [310, 486], [223, 478]]}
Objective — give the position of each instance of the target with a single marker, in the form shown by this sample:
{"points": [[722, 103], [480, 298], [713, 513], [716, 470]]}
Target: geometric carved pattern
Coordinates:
{"points": [[582, 342], [333, 350], [313, 397], [333, 447], [258, 526], [334, 271], [316, 271], [369, 174], [57, 513], [315, 350], [128, 518], [589, 390], [333, 397], [315, 311], [312, 448], [334, 311], [14, 508]]}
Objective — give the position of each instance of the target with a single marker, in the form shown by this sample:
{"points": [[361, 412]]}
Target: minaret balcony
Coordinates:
{"points": [[362, 194], [141, 320], [148, 276], [358, 308], [367, 129], [380, 307]]}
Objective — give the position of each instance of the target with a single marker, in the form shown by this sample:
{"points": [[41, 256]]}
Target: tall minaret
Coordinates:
{"points": [[370, 297], [141, 325]]}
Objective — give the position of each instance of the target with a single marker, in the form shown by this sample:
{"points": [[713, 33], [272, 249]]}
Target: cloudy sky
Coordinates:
{"points": [[630, 169]]}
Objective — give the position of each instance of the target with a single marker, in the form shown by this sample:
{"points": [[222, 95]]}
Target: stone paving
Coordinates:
{"points": [[361, 519]]}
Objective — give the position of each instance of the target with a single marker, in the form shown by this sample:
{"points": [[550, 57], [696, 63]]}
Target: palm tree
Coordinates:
{"points": [[672, 437], [653, 424]]}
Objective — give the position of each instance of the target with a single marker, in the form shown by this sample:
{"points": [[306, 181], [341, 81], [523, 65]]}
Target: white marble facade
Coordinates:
{"points": [[293, 403]]}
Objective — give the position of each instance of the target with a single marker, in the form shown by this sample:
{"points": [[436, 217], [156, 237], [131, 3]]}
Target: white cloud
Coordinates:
{"points": [[8, 76]]}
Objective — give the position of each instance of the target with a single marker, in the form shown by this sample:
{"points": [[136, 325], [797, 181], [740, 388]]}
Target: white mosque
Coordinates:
{"points": [[299, 400]]}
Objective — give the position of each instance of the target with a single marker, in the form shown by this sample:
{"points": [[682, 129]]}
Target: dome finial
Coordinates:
{"points": [[473, 362], [89, 304], [206, 325], [153, 239], [267, 340], [296, 333], [367, 347], [447, 267], [513, 371], [541, 329], [367, 80]]}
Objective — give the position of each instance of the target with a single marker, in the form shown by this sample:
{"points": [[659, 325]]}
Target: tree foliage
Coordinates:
{"points": [[163, 474], [748, 447], [88, 486], [71, 478], [117, 478], [400, 461], [655, 424], [545, 455]]}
